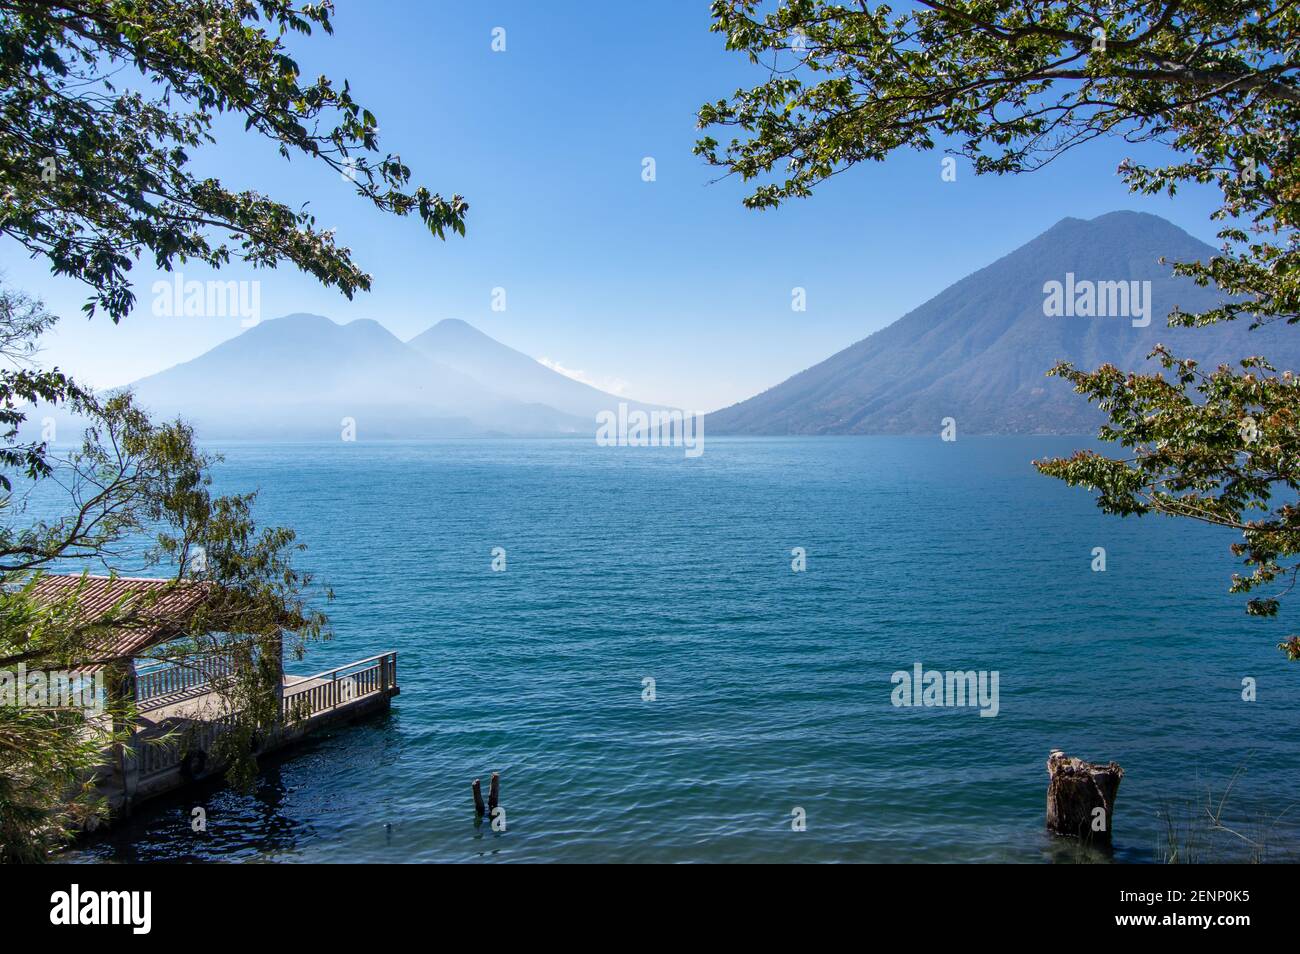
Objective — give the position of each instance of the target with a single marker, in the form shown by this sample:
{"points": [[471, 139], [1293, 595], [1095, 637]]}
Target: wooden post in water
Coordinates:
{"points": [[1081, 797], [478, 799], [494, 791]]}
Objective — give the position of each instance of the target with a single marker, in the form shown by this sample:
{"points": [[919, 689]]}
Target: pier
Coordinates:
{"points": [[189, 719], [180, 708]]}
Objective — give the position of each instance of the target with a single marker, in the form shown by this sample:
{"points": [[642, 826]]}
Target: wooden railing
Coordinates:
{"points": [[159, 756], [336, 687], [305, 698], [181, 678]]}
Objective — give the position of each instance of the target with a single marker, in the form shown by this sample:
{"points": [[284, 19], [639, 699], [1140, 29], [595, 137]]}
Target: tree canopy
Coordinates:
{"points": [[102, 103]]}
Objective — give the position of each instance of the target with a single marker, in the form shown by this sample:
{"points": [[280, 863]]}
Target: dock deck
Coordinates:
{"points": [[180, 712]]}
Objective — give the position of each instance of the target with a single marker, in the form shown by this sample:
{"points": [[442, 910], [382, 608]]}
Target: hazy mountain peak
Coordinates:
{"points": [[299, 320], [460, 345], [456, 324], [450, 330]]}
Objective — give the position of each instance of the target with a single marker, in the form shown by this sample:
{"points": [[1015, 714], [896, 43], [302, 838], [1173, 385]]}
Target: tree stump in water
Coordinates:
{"points": [[1081, 797]]}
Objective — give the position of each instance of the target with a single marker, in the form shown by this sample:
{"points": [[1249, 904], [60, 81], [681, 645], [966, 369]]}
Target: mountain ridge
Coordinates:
{"points": [[300, 375], [979, 349]]}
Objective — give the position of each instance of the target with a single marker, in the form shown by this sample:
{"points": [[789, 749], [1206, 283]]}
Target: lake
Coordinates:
{"points": [[771, 688]]}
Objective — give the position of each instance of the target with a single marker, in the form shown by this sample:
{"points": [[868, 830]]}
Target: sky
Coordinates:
{"points": [[666, 291]]}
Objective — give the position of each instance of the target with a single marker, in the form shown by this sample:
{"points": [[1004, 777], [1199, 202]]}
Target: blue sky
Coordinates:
{"points": [[669, 291]]}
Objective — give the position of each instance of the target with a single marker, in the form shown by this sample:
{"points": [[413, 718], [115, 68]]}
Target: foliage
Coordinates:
{"points": [[103, 102], [22, 321], [1215, 447]]}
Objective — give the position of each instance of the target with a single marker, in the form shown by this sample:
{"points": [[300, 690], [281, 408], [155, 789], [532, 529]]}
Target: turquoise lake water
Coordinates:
{"points": [[772, 688]]}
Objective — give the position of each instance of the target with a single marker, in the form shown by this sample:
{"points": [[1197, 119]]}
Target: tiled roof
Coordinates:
{"points": [[152, 610]]}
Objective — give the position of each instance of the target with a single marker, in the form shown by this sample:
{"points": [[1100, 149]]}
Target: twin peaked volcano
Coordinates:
{"points": [[298, 377], [978, 350]]}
